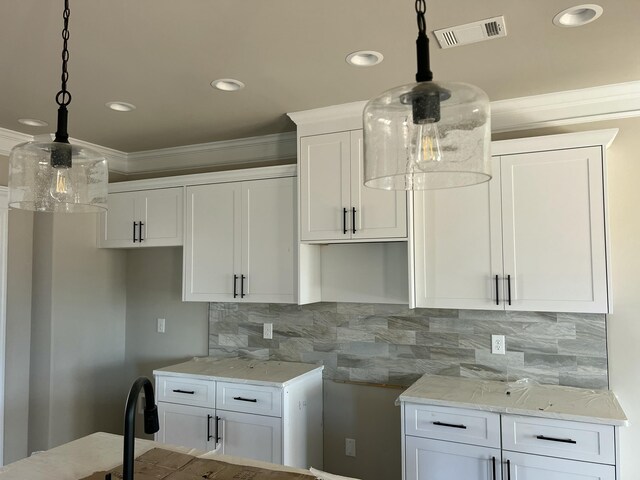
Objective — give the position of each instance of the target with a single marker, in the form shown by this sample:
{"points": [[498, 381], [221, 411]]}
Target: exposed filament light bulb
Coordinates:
{"points": [[61, 186], [428, 145]]}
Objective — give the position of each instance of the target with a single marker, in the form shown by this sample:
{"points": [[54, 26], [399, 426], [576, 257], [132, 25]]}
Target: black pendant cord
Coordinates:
{"points": [[63, 98], [422, 44]]}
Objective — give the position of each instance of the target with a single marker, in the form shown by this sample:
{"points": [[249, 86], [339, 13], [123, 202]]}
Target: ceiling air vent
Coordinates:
{"points": [[472, 32]]}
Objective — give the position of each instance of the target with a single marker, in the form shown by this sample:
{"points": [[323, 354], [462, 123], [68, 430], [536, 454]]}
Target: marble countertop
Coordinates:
{"points": [[241, 370], [102, 451], [518, 398]]}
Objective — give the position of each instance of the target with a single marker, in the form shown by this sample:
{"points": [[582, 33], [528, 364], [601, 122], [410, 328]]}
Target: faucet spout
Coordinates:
{"points": [[151, 424]]}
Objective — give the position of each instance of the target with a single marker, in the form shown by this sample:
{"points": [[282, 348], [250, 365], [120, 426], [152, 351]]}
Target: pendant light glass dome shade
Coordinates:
{"points": [[427, 135], [38, 182], [55, 176]]}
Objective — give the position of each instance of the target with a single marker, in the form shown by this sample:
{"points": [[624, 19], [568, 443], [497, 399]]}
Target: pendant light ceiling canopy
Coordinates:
{"points": [[427, 135], [57, 176]]}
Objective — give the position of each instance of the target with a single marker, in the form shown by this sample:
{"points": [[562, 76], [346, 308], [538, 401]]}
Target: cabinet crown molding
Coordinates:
{"points": [[590, 138]]}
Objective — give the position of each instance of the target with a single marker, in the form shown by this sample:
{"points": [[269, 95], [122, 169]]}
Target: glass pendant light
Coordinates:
{"points": [[427, 135], [55, 176]]}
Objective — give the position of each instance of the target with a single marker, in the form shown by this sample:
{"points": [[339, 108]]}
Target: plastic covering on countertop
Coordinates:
{"points": [[524, 396]]}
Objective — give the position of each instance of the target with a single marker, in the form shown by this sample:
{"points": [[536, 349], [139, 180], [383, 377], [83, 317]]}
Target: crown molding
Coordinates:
{"points": [[9, 139], [593, 104], [266, 148], [590, 138]]}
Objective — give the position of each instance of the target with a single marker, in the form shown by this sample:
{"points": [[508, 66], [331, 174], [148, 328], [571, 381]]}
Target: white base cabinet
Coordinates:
{"points": [[277, 423], [443, 443]]}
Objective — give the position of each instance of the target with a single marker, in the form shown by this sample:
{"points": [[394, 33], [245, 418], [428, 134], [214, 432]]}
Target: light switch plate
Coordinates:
{"points": [[350, 447], [161, 322]]}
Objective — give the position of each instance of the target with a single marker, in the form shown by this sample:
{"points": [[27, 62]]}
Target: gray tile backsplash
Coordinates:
{"points": [[392, 344]]}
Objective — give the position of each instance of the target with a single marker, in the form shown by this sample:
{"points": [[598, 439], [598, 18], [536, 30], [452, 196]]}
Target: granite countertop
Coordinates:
{"points": [[518, 398], [102, 451], [241, 370]]}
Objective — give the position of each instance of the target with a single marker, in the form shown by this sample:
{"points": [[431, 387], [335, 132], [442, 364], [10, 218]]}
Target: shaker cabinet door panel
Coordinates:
{"points": [[324, 187], [162, 214], [117, 224], [378, 213], [458, 246], [186, 426], [554, 230], [438, 460], [268, 240], [535, 467], [212, 249], [251, 436]]}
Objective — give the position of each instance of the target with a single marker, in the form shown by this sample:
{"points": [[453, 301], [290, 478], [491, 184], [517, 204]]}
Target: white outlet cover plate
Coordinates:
{"points": [[267, 331], [498, 344]]}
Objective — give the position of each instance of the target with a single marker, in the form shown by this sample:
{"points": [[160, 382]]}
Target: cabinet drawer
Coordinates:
{"points": [[558, 438], [453, 424], [239, 397], [186, 391]]}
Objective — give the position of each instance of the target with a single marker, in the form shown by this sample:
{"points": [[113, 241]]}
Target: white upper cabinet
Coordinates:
{"points": [[532, 239], [147, 218], [554, 230], [334, 204], [239, 244]]}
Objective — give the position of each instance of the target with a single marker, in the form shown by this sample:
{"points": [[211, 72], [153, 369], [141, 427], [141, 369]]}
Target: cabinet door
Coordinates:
{"points": [[378, 213], [325, 162], [186, 426], [458, 246], [534, 467], [161, 212], [116, 224], [251, 436], [427, 459], [212, 243], [554, 230], [267, 240]]}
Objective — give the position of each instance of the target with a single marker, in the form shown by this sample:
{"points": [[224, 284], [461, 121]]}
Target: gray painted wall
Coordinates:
{"points": [[154, 290], [78, 332], [18, 334]]}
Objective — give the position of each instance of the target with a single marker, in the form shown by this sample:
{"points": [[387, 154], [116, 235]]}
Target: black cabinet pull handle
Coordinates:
{"points": [[188, 392], [217, 429], [344, 221], [140, 237], [254, 400], [235, 286], [551, 439], [493, 466], [509, 288], [450, 425], [242, 294], [135, 224], [508, 469], [209, 436], [353, 220], [497, 294]]}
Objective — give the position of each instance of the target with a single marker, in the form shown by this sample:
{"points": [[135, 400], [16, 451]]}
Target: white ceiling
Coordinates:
{"points": [[161, 55]]}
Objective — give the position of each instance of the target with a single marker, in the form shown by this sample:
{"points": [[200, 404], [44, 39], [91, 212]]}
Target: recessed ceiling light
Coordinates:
{"points": [[32, 122], [578, 15], [120, 106], [227, 84], [364, 58]]}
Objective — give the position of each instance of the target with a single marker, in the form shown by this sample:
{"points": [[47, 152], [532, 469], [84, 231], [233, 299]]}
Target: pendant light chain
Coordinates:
{"points": [[422, 44], [421, 9], [63, 98]]}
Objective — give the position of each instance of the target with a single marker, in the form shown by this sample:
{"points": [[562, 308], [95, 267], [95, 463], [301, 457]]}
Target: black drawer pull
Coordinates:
{"points": [[254, 400], [497, 289], [551, 439], [450, 425], [344, 221], [188, 392], [140, 237], [353, 220], [135, 239], [493, 462], [209, 436], [508, 469]]}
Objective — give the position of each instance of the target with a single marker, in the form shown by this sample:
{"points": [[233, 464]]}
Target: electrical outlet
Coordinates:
{"points": [[350, 447], [161, 325], [267, 331], [498, 345]]}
